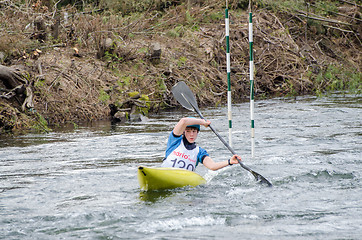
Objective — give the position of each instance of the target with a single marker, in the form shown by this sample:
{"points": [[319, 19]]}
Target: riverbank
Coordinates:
{"points": [[103, 61]]}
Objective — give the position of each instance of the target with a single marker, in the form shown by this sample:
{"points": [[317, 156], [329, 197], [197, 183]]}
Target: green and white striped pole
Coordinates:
{"points": [[228, 71], [251, 74]]}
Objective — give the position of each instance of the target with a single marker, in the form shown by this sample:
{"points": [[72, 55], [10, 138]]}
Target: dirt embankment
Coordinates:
{"points": [[72, 66]]}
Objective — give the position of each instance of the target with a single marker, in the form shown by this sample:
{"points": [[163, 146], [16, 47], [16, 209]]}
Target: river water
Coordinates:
{"points": [[82, 184]]}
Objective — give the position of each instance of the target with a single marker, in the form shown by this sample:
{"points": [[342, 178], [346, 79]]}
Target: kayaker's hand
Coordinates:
{"points": [[234, 159], [206, 123]]}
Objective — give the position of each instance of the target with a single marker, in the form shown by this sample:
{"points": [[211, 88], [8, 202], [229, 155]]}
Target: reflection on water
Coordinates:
{"points": [[154, 196]]}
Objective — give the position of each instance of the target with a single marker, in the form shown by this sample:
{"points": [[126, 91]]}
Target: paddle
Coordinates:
{"points": [[186, 98]]}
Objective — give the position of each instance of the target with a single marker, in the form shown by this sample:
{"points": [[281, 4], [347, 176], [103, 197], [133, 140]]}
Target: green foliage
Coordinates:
{"points": [[40, 124], [103, 96], [39, 83], [326, 8], [161, 84], [112, 57], [125, 80], [355, 81], [143, 101], [337, 78], [133, 94], [214, 17], [146, 100], [176, 32], [131, 35], [243, 4], [131, 6], [189, 18], [75, 126], [143, 50], [291, 92], [181, 61]]}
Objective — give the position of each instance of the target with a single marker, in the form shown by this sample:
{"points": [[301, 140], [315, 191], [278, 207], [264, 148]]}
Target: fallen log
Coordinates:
{"points": [[11, 77], [16, 85]]}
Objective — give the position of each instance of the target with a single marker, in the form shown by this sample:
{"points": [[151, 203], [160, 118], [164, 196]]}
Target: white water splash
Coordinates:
{"points": [[179, 223]]}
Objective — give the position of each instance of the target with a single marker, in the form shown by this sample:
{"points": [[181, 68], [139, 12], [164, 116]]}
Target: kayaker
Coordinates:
{"points": [[182, 151]]}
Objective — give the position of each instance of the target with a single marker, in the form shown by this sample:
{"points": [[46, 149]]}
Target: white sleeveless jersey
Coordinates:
{"points": [[182, 158]]}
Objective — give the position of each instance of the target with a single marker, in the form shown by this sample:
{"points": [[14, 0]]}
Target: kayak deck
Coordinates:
{"points": [[167, 178]]}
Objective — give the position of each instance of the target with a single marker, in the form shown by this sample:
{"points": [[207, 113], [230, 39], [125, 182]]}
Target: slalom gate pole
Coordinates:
{"points": [[251, 74], [228, 71]]}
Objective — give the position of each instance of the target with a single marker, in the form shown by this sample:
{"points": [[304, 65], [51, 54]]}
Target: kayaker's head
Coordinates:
{"points": [[191, 132]]}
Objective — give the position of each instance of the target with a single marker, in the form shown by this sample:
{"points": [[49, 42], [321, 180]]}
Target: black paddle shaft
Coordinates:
{"points": [[186, 98]]}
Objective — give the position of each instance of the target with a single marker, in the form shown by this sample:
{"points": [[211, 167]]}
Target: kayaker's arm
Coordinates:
{"points": [[210, 164], [184, 122]]}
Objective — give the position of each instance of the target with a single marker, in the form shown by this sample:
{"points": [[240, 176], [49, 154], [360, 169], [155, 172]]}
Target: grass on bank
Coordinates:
{"points": [[337, 78]]}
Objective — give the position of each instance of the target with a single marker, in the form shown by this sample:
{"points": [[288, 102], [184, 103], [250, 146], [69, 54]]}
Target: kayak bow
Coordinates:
{"points": [[167, 178]]}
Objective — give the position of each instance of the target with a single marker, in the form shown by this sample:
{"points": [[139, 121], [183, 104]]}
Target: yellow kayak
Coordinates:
{"points": [[167, 178]]}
